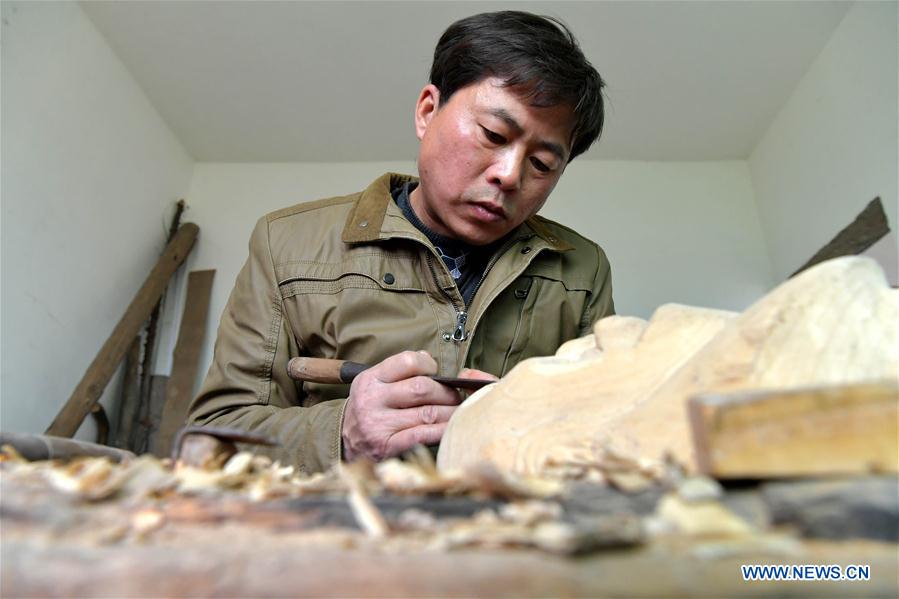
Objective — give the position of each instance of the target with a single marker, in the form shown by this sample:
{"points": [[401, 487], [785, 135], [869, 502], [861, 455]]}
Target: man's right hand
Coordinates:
{"points": [[394, 406]]}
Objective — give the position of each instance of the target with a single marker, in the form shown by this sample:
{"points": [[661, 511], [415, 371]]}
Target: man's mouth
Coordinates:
{"points": [[488, 211]]}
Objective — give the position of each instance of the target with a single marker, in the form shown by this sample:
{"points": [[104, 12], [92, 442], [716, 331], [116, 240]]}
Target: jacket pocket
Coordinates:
{"points": [[362, 310], [369, 271], [549, 313]]}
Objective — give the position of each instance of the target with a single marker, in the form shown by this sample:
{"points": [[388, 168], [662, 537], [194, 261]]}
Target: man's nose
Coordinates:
{"points": [[507, 169]]}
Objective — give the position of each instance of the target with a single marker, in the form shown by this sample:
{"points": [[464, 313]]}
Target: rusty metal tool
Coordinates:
{"points": [[327, 370]]}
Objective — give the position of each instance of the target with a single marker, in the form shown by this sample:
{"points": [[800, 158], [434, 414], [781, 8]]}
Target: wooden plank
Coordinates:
{"points": [[816, 431], [91, 386], [144, 393], [151, 414], [102, 422], [129, 403], [863, 232], [186, 359]]}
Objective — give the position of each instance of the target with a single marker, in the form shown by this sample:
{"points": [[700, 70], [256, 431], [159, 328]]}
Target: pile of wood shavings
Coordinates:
{"points": [[527, 516], [258, 478], [99, 478], [527, 519], [600, 463]]}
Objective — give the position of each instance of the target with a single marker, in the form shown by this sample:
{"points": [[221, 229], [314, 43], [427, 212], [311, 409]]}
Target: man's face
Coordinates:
{"points": [[487, 160]]}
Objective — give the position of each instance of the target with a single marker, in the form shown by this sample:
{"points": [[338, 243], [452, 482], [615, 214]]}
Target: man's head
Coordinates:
{"points": [[537, 57], [511, 101]]}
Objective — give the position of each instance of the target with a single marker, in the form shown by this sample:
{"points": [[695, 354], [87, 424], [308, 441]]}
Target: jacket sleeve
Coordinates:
{"points": [[247, 386], [600, 303]]}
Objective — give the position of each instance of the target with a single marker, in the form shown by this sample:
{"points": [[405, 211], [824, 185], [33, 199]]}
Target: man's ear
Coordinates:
{"points": [[426, 107]]}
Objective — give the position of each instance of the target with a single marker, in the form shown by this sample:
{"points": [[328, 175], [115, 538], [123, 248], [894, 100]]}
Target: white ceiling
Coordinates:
{"points": [[337, 81]]}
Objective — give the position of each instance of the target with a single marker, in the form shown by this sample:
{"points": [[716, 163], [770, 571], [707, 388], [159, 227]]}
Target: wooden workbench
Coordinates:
{"points": [[54, 544]]}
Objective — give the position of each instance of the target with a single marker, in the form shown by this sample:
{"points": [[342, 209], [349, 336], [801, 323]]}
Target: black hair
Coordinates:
{"points": [[537, 56]]}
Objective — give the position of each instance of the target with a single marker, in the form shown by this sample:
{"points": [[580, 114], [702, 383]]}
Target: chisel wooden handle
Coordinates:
{"points": [[324, 370], [329, 370]]}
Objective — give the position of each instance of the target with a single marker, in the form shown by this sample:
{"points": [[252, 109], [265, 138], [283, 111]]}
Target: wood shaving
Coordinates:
{"points": [[600, 462], [530, 513], [8, 453], [146, 521], [556, 537], [699, 488], [698, 519], [601, 532], [414, 519], [356, 476], [240, 463], [488, 479], [91, 478]]}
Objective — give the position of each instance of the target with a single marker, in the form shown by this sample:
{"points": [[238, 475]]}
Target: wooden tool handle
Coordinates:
{"points": [[324, 370]]}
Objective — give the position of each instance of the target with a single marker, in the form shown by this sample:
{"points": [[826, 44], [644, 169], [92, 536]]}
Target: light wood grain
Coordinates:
{"points": [[836, 323], [850, 429]]}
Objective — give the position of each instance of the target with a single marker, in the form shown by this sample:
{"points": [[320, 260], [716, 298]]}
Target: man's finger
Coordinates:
{"points": [[430, 414], [473, 373], [419, 391], [425, 434], [404, 365]]}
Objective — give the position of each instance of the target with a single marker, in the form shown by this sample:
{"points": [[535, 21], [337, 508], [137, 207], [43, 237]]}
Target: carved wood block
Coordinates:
{"points": [[834, 324], [815, 431]]}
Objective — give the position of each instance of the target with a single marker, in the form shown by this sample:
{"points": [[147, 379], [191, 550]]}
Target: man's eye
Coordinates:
{"points": [[493, 137], [540, 166]]}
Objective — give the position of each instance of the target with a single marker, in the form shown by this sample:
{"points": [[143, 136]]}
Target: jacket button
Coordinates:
{"points": [[526, 250], [389, 278], [447, 336], [363, 224]]}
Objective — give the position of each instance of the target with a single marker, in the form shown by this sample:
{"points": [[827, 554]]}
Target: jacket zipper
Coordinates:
{"points": [[460, 334], [494, 259], [461, 315]]}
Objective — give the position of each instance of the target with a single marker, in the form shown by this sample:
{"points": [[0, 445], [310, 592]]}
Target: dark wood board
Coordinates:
{"points": [[129, 402], [186, 359], [863, 232]]}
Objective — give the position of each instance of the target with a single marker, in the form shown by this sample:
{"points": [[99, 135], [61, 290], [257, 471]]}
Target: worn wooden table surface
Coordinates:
{"points": [[54, 544]]}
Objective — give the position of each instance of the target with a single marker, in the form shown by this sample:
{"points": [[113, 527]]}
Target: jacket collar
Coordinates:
{"points": [[365, 222]]}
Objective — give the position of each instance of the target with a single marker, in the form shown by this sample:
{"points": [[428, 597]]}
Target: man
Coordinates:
{"points": [[422, 276]]}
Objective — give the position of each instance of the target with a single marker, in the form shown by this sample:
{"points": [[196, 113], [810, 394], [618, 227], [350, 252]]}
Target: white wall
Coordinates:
{"points": [[833, 146], [89, 175], [685, 232], [675, 232]]}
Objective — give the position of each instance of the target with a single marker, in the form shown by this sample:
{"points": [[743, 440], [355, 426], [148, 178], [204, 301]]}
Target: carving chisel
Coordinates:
{"points": [[327, 370]]}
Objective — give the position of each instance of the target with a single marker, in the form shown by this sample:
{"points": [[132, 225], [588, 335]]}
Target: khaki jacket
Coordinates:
{"points": [[349, 277]]}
